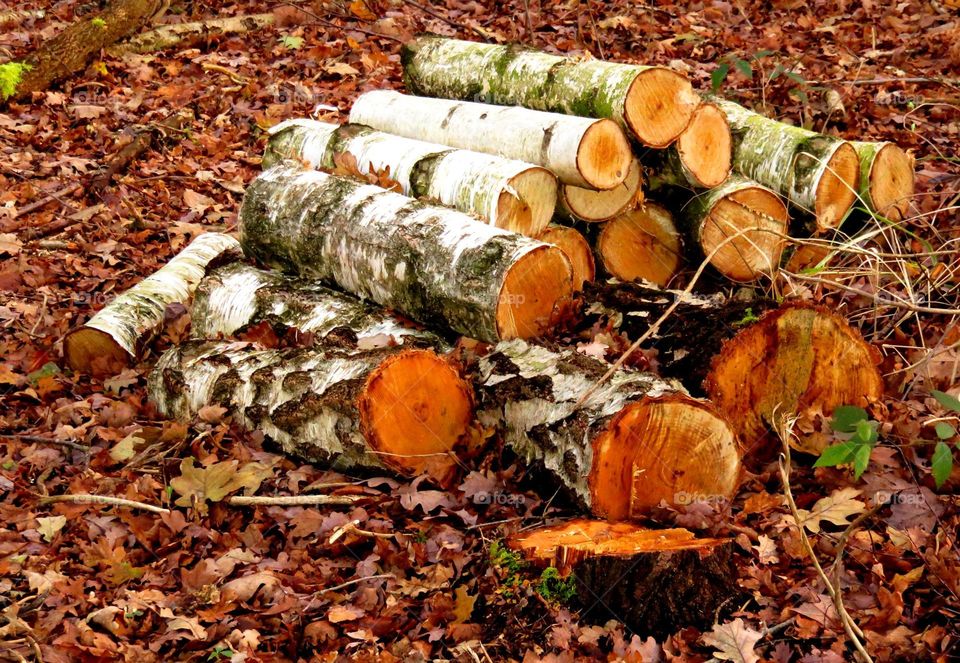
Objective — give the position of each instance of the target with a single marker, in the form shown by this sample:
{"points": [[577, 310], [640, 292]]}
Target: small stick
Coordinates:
{"points": [[45, 440], [291, 500], [85, 498], [346, 584], [352, 527]]}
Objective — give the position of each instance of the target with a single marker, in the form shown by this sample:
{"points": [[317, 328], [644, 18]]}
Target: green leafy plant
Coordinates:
{"points": [[553, 587], [858, 435], [748, 317], [732, 61], [10, 75], [941, 463], [219, 652], [509, 563]]}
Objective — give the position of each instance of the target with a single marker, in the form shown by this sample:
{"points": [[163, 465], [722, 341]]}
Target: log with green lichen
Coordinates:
{"points": [[391, 408], [506, 193], [116, 334], [886, 178], [233, 297], [740, 226], [636, 440], [430, 263], [817, 174], [653, 103], [581, 151]]}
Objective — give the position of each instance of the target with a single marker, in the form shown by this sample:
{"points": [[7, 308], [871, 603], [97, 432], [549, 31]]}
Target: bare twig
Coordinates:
{"points": [[291, 500], [853, 631], [85, 498], [39, 439], [346, 584]]}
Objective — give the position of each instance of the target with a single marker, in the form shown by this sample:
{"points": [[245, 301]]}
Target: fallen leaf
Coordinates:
{"points": [[338, 614], [836, 508], [733, 641], [50, 526]]}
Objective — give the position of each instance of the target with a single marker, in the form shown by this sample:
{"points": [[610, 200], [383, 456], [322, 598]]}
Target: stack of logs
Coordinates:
{"points": [[520, 200]]}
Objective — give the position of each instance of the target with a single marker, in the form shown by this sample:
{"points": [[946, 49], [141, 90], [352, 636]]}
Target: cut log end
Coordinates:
{"points": [[578, 252], [671, 449], [590, 205], [640, 244], [705, 147], [891, 182], [414, 409], [527, 204], [795, 359], [86, 349], [655, 581], [659, 106], [761, 217], [837, 189], [604, 155], [537, 288]]}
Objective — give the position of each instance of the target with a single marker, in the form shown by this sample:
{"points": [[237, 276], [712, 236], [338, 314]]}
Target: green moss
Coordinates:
{"points": [[509, 562], [98, 22], [553, 587], [11, 74]]}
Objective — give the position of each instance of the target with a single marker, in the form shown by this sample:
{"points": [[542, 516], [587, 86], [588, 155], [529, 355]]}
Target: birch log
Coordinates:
{"points": [[701, 158], [580, 151], [886, 178], [433, 264], [817, 174], [653, 103], [637, 440], [506, 193], [115, 335], [740, 226], [576, 203], [235, 296], [577, 249], [639, 244], [396, 409], [754, 360], [654, 581]]}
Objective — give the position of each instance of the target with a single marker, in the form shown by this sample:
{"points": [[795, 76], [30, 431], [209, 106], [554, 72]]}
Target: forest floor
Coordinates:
{"points": [[206, 581]]}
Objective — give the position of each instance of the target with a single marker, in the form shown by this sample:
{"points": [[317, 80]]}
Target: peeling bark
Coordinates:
{"points": [[653, 103], [330, 406], [580, 151], [505, 193], [817, 174], [654, 581], [637, 439], [115, 335], [235, 296], [433, 264]]}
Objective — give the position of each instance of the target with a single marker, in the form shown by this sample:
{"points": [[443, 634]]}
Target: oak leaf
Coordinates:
{"points": [[733, 641], [836, 508]]}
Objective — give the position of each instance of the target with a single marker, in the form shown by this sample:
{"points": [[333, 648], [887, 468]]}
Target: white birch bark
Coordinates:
{"points": [[471, 182], [653, 103], [238, 295], [431, 263], [560, 143], [123, 326]]}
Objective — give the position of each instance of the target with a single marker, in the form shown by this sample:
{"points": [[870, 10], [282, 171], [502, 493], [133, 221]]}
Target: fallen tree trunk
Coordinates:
{"points": [[431, 263], [654, 581], [702, 156], [637, 440], [653, 103], [165, 36], [116, 334], [741, 226], [640, 244], [817, 174], [72, 49], [576, 203], [235, 296], [388, 409], [577, 249], [886, 178], [754, 360], [580, 151], [508, 194]]}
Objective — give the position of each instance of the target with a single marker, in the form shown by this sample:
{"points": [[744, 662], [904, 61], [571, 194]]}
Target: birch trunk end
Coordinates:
{"points": [[116, 334], [577, 249], [886, 178], [579, 204], [640, 244]]}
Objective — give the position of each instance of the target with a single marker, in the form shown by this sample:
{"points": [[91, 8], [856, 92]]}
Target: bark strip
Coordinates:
{"points": [[433, 264], [114, 336], [580, 151], [653, 103], [509, 194]]}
